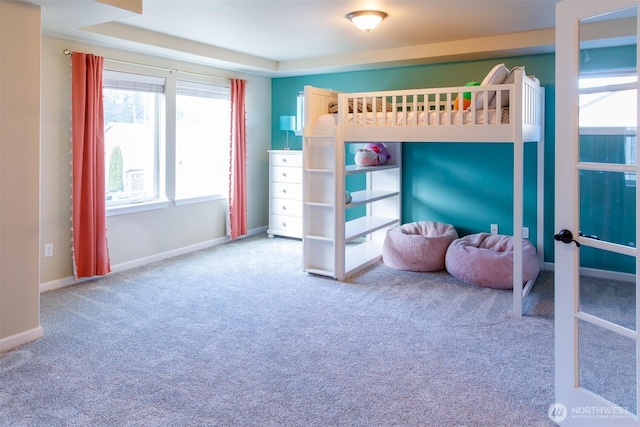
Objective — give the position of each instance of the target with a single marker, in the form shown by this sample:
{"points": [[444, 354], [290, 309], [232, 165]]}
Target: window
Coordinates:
{"points": [[601, 98], [608, 116], [134, 120], [203, 115], [150, 157]]}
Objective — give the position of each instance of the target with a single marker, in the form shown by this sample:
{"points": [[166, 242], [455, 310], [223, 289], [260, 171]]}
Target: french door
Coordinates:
{"points": [[596, 214]]}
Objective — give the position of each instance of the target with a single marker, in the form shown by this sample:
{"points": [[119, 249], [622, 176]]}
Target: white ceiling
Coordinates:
{"points": [[287, 37]]}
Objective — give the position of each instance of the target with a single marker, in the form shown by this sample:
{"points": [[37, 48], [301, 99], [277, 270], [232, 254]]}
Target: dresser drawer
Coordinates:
{"points": [[285, 190], [285, 225], [286, 174], [286, 207], [282, 159]]}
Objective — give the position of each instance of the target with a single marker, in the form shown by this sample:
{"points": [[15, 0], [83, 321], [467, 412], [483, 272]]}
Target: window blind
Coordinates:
{"points": [[202, 90], [130, 81]]}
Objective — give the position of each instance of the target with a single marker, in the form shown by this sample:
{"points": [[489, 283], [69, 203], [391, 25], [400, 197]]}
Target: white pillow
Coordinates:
{"points": [[504, 95], [496, 76]]}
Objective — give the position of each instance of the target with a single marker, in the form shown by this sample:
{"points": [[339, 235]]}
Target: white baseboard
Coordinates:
{"points": [[21, 338], [60, 283], [601, 274], [166, 255], [67, 281]]}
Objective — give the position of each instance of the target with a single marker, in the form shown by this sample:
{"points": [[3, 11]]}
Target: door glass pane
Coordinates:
{"points": [[607, 367], [608, 206], [608, 92], [608, 145], [612, 299]]}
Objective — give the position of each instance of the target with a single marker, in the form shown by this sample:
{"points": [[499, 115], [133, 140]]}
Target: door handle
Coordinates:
{"points": [[566, 236]]}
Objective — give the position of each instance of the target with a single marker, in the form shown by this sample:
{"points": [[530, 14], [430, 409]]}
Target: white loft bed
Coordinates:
{"points": [[428, 115]]}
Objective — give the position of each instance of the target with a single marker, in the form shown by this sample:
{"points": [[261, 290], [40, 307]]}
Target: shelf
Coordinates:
{"points": [[362, 226], [319, 272], [319, 204], [363, 197], [331, 246], [353, 169], [362, 255], [319, 238], [319, 170]]}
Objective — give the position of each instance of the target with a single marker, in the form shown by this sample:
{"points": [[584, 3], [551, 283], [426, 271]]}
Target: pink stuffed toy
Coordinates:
{"points": [[366, 157], [380, 150]]}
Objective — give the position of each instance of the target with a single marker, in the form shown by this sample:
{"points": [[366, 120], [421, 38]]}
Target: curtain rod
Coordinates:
{"points": [[171, 70]]}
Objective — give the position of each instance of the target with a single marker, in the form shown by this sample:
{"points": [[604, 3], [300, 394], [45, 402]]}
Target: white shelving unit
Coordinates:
{"points": [[285, 193], [334, 246]]}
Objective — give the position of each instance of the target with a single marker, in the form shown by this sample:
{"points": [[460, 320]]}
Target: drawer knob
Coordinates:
{"points": [[284, 174], [284, 160], [284, 224], [284, 208], [284, 190]]}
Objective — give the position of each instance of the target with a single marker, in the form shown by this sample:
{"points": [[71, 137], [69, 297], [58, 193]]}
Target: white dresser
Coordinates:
{"points": [[285, 193]]}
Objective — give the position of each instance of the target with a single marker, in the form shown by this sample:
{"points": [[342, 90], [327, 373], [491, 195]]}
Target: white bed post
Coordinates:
{"points": [[540, 183], [518, 194], [339, 192], [518, 190]]}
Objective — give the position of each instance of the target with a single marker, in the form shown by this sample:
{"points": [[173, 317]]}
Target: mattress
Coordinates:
{"points": [[387, 119]]}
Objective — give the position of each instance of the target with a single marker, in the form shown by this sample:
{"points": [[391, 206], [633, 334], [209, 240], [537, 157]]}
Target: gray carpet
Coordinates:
{"points": [[239, 335]]}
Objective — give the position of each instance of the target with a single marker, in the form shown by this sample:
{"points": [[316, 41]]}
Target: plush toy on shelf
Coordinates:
{"points": [[372, 154], [380, 150], [366, 157]]}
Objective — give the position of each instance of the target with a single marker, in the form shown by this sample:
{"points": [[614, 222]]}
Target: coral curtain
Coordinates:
{"points": [[88, 216], [238, 165]]}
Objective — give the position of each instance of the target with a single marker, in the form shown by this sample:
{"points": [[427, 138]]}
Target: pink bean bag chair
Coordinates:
{"points": [[485, 259], [418, 246]]}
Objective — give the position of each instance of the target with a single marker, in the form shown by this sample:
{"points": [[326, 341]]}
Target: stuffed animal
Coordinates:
{"points": [[366, 157], [380, 150], [347, 197], [466, 98]]}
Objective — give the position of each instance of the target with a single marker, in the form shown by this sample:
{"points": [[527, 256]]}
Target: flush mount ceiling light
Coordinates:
{"points": [[366, 20]]}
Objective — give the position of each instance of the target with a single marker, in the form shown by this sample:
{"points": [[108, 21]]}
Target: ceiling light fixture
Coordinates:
{"points": [[366, 20]]}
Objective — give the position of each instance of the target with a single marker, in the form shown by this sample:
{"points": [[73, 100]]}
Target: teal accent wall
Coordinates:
{"points": [[467, 185]]}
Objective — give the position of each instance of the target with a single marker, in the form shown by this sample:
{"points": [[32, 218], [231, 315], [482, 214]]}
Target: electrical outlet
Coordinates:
{"points": [[494, 228], [525, 232], [48, 249]]}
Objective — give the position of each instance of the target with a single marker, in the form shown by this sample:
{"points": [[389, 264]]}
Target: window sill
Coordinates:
{"points": [[137, 207], [192, 200]]}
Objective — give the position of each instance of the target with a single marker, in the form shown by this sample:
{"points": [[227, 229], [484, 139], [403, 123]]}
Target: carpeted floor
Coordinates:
{"points": [[238, 335]]}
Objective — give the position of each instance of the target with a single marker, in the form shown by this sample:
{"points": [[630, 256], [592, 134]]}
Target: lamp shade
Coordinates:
{"points": [[366, 20], [287, 122]]}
